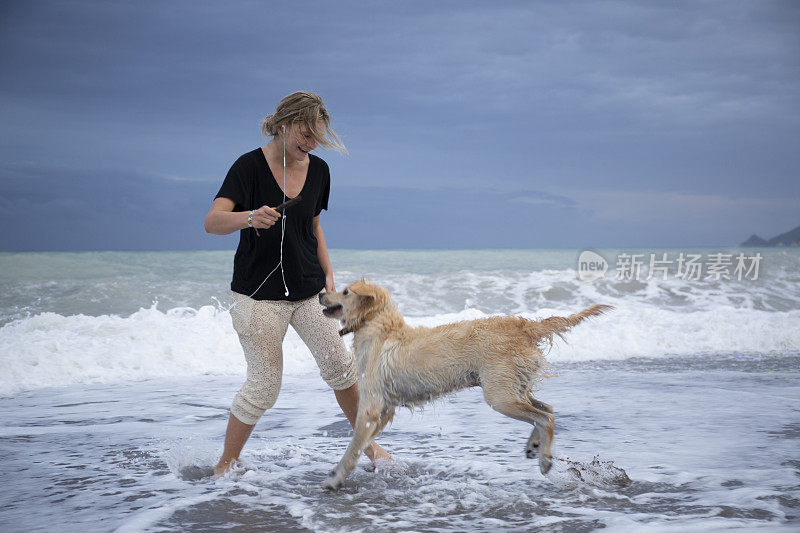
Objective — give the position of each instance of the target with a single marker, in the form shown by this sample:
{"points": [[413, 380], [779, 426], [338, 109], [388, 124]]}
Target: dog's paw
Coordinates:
{"points": [[545, 463], [332, 483], [532, 446], [530, 451], [334, 480]]}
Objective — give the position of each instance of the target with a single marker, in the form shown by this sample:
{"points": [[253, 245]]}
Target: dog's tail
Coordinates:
{"points": [[544, 330]]}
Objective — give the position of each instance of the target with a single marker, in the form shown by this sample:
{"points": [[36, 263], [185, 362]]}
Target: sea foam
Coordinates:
{"points": [[48, 349]]}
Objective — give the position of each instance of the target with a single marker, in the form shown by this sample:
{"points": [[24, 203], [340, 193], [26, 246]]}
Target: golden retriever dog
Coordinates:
{"points": [[404, 366]]}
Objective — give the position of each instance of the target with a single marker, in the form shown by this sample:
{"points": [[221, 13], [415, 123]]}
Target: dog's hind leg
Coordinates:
{"points": [[542, 420], [533, 443], [540, 405], [536, 438], [541, 438]]}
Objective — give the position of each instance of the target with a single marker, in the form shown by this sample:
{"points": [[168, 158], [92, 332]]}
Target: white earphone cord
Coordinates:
{"points": [[283, 232], [283, 215]]}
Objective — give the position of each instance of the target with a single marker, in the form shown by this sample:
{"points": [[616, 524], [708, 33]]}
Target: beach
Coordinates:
{"points": [[678, 410]]}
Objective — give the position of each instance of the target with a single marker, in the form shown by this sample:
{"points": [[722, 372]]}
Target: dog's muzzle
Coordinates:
{"points": [[328, 309], [331, 311]]}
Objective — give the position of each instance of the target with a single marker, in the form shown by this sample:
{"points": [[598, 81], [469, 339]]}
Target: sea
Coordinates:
{"points": [[677, 411]]}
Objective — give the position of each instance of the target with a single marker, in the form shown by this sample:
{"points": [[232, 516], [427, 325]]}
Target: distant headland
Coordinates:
{"points": [[790, 238]]}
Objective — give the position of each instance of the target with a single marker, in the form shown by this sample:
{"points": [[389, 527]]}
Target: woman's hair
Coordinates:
{"points": [[303, 107]]}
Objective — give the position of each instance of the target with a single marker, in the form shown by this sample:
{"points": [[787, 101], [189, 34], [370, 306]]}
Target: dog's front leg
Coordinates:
{"points": [[367, 426]]}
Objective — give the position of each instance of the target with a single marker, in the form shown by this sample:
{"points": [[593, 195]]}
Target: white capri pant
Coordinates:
{"points": [[262, 325]]}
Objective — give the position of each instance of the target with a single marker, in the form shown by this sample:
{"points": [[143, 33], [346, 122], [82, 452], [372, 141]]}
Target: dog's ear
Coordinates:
{"points": [[372, 296], [364, 289]]}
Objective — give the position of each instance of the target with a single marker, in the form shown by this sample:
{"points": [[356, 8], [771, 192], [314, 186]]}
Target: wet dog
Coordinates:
{"points": [[404, 366]]}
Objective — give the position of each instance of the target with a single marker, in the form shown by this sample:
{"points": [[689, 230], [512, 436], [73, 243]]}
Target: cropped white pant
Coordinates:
{"points": [[262, 325]]}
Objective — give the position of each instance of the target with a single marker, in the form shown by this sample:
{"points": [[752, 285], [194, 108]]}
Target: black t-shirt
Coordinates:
{"points": [[250, 184]]}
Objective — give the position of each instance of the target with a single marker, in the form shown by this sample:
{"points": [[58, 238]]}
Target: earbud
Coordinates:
{"points": [[286, 293]]}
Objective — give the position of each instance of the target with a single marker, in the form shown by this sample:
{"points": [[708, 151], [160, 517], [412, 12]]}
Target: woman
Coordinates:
{"points": [[282, 264]]}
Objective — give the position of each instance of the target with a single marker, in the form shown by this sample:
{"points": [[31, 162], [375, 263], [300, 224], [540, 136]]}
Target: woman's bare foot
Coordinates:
{"points": [[223, 467], [376, 453]]}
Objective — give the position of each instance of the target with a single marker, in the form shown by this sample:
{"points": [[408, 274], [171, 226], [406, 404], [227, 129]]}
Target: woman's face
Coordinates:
{"points": [[299, 141]]}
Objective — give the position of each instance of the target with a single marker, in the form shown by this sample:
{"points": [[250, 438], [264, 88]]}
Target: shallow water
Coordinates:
{"points": [[679, 410], [673, 443]]}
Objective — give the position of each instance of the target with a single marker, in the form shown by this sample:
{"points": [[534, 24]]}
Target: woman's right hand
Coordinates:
{"points": [[265, 217], [221, 220]]}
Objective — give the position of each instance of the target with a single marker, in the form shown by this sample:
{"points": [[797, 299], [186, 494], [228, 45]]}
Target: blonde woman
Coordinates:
{"points": [[282, 264]]}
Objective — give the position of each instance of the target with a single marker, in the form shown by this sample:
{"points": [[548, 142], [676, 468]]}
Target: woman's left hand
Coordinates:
{"points": [[329, 286]]}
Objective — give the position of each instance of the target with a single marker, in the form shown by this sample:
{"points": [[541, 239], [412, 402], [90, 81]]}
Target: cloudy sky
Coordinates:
{"points": [[469, 124]]}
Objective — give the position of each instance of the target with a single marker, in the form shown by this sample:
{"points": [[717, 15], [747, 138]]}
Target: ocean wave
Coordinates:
{"points": [[422, 284], [521, 291], [50, 350]]}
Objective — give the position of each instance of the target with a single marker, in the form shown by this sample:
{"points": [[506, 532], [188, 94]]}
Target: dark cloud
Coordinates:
{"points": [[531, 107]]}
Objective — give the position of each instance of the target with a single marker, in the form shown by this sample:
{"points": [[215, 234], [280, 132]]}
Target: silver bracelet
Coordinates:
{"points": [[250, 223]]}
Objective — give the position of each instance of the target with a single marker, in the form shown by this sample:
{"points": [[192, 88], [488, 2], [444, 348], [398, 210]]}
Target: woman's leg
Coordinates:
{"points": [[336, 364], [236, 435], [261, 326]]}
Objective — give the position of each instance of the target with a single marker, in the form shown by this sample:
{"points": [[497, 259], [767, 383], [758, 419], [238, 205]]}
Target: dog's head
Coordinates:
{"points": [[358, 302]]}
